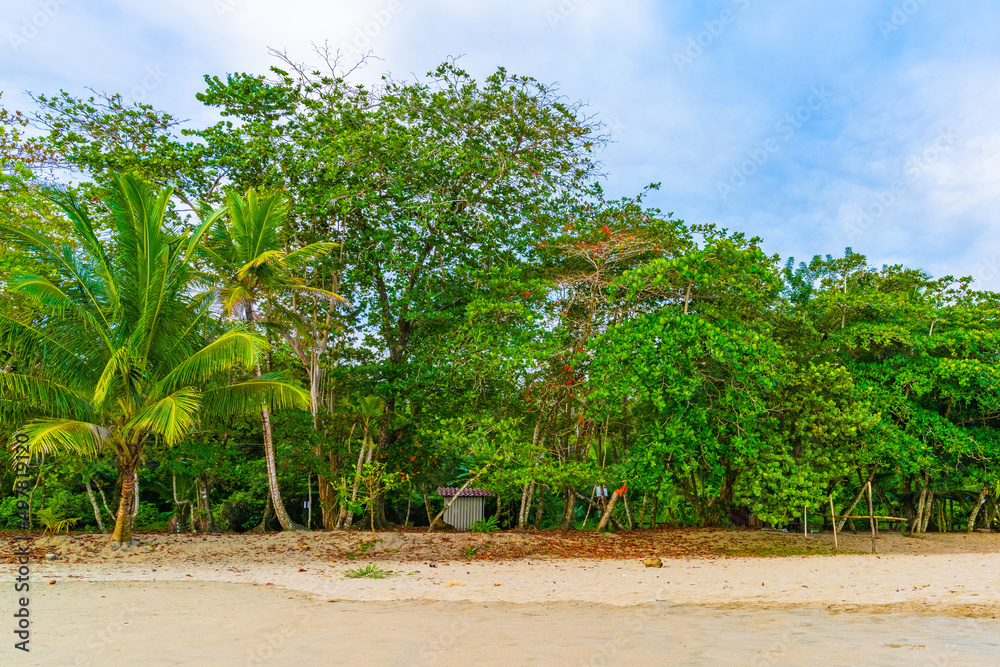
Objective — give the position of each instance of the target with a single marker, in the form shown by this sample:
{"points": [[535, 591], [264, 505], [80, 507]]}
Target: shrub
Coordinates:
{"points": [[487, 525], [148, 517], [8, 513], [240, 512]]}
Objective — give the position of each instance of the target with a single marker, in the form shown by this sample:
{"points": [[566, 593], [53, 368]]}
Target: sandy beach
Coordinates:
{"points": [[283, 599]]}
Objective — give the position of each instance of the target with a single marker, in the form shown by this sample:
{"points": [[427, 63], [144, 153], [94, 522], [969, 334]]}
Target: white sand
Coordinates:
{"points": [[200, 623], [957, 584]]}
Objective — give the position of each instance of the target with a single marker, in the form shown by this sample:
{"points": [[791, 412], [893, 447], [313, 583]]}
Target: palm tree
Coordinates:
{"points": [[120, 349], [244, 246]]}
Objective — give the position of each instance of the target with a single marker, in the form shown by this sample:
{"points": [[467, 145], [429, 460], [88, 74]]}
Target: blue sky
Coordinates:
{"points": [[874, 124]]}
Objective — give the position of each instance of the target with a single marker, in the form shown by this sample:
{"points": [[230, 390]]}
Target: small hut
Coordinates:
{"points": [[467, 508]]}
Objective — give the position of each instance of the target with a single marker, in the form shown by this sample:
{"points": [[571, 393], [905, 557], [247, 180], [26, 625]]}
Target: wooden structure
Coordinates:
{"points": [[467, 508]]}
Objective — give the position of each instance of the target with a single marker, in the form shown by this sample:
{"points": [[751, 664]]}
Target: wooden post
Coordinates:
{"points": [[871, 515], [834, 515]]}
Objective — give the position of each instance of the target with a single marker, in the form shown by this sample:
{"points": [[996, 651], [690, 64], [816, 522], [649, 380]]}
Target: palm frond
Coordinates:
{"points": [[297, 258], [65, 435], [236, 348], [171, 418], [24, 393], [248, 397]]}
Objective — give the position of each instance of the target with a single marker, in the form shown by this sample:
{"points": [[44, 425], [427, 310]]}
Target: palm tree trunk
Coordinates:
{"points": [[123, 522], [272, 470]]}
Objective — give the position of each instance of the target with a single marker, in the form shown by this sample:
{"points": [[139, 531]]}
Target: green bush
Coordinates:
{"points": [[487, 525], [8, 513], [65, 503], [240, 512], [148, 517]]}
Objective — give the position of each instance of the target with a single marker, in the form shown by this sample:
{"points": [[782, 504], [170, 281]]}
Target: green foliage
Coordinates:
{"points": [[486, 525], [434, 260], [241, 511], [149, 517], [53, 522], [370, 571]]}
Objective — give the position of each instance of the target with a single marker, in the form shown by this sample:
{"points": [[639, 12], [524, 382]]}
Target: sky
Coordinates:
{"points": [[873, 124]]}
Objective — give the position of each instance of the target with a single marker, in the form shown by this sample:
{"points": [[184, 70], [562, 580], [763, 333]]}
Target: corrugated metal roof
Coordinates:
{"points": [[452, 490]]}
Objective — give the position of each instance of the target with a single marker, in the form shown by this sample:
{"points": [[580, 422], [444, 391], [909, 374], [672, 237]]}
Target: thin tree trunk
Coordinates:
{"points": [[204, 506], [272, 470], [357, 480], [628, 513], [607, 512], [97, 511], [975, 510], [135, 494], [591, 503], [269, 455], [642, 512], [919, 521], [104, 500], [526, 497], [928, 511], [427, 505], [540, 509], [453, 499], [268, 513], [570, 505]]}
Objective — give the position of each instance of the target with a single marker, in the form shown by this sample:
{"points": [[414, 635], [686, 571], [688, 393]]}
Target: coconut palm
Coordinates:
{"points": [[244, 247], [120, 349]]}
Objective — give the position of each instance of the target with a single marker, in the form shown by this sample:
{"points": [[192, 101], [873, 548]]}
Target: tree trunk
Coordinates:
{"points": [[327, 502], [123, 521], [526, 497], [357, 480], [975, 510], [135, 494], [427, 505], [540, 509], [268, 513], [607, 512], [272, 471], [918, 522], [642, 512], [928, 510], [570, 505], [97, 511], [269, 456], [204, 506], [591, 503]]}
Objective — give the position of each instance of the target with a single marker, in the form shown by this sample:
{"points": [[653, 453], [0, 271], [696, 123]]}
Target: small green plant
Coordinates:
{"points": [[365, 546], [488, 525], [53, 523], [470, 552], [370, 571]]}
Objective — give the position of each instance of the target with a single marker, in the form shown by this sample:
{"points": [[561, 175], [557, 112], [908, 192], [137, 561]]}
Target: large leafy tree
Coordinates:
{"points": [[120, 350]]}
